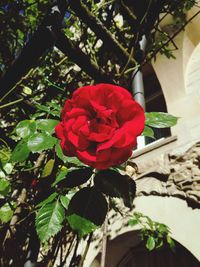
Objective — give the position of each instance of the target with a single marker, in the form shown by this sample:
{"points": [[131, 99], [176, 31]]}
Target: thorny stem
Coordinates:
{"points": [[104, 243], [11, 103]]}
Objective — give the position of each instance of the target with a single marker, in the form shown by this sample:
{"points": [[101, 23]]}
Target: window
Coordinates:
{"points": [[155, 100]]}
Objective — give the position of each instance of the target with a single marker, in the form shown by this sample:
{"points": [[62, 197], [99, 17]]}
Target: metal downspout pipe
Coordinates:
{"points": [[137, 84]]}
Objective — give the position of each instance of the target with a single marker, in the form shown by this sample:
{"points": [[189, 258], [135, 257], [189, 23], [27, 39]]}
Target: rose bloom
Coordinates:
{"points": [[100, 124]]}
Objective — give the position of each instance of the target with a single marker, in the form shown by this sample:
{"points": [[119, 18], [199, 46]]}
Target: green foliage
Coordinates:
{"points": [[64, 201], [152, 232], [6, 212], [5, 153], [160, 120], [48, 168], [114, 184], [47, 125], [81, 225], [25, 128], [49, 220], [148, 132], [59, 152], [21, 152], [44, 89], [90, 204], [4, 187], [49, 199], [61, 175], [36, 137], [41, 141], [76, 177]]}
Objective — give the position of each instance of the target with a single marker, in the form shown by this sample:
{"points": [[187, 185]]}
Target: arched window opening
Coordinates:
{"points": [[164, 257], [154, 99]]}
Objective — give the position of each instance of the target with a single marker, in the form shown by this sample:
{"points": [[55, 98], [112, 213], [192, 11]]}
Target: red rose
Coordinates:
{"points": [[100, 124]]}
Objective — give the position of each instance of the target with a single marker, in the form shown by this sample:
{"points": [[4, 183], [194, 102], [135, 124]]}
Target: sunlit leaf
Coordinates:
{"points": [[64, 201], [150, 245], [6, 212], [49, 220], [47, 125], [4, 187], [48, 168], [148, 132], [160, 119], [25, 128], [41, 141], [59, 152]]}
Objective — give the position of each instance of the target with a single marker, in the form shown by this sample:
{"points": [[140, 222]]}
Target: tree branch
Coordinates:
{"points": [[81, 59], [99, 29]]}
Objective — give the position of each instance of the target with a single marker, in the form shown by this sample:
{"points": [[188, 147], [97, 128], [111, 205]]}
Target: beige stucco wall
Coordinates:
{"points": [[180, 81], [182, 220]]}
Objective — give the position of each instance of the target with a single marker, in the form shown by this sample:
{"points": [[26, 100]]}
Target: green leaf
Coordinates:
{"points": [[89, 204], [27, 90], [64, 201], [162, 228], [81, 225], [6, 212], [47, 200], [47, 110], [59, 152], [8, 167], [47, 125], [114, 184], [148, 132], [48, 168], [159, 243], [171, 242], [76, 177], [5, 154], [160, 119], [61, 175], [150, 245], [41, 141], [25, 128], [133, 222], [4, 187], [75, 161], [20, 153], [49, 220]]}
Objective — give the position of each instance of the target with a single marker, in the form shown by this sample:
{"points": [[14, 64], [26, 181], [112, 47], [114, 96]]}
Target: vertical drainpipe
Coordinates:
{"points": [[137, 85], [137, 79]]}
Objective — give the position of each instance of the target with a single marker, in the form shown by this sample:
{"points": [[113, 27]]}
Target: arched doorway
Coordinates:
{"points": [[127, 250], [163, 257]]}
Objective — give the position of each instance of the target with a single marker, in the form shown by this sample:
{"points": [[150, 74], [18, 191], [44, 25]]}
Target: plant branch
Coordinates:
{"points": [[99, 29]]}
